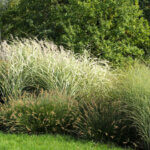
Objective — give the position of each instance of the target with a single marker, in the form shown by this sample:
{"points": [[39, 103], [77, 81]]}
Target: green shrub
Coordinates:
{"points": [[3, 4], [110, 29], [47, 113], [145, 6], [34, 65]]}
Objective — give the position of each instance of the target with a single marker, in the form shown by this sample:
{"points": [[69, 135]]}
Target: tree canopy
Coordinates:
{"points": [[110, 29]]}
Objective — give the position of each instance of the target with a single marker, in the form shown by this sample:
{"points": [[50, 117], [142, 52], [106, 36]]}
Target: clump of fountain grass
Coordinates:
{"points": [[50, 112]]}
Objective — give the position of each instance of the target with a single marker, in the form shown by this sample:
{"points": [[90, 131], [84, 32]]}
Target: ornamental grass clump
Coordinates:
{"points": [[134, 93], [97, 120], [32, 65], [124, 116], [50, 112], [100, 120]]}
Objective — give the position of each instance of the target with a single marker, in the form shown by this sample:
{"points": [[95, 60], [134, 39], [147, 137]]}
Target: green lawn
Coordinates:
{"points": [[48, 142]]}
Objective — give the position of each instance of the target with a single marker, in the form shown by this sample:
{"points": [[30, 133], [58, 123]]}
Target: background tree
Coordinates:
{"points": [[110, 29]]}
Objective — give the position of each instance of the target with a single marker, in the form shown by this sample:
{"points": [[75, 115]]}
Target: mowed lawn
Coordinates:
{"points": [[48, 142]]}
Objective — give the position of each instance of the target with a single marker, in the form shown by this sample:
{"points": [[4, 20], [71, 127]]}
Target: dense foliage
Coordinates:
{"points": [[2, 4], [110, 29], [145, 5], [48, 90]]}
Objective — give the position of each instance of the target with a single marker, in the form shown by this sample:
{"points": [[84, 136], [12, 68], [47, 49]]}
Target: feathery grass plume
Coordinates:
{"points": [[33, 65]]}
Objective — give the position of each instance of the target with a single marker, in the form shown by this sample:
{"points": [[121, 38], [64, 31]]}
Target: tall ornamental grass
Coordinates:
{"points": [[31, 65], [133, 90]]}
